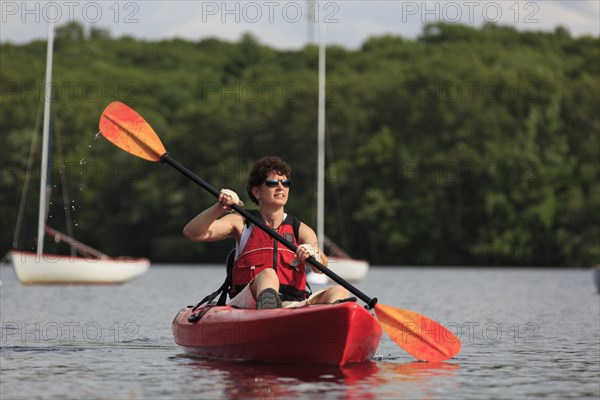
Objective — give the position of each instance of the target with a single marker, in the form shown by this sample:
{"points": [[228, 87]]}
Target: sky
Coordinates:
{"points": [[289, 24]]}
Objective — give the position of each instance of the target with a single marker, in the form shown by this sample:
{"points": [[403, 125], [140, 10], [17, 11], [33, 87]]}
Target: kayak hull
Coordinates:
{"points": [[321, 334]]}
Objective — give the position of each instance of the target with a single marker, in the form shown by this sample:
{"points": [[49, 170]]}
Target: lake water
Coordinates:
{"points": [[526, 333]]}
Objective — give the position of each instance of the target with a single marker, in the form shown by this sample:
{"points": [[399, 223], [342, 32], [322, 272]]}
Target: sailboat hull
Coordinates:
{"points": [[48, 269], [349, 269]]}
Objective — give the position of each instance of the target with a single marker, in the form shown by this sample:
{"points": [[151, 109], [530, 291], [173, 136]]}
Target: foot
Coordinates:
{"points": [[268, 299]]}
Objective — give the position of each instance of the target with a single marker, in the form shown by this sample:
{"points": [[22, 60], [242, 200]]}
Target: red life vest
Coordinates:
{"points": [[261, 251]]}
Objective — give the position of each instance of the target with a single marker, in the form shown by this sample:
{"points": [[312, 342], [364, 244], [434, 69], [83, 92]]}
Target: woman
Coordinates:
{"points": [[265, 273]]}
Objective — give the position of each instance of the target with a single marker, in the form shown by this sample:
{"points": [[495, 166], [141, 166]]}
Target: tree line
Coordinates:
{"points": [[464, 146]]}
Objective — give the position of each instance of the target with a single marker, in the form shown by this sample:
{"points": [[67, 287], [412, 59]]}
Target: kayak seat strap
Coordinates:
{"points": [[224, 289]]}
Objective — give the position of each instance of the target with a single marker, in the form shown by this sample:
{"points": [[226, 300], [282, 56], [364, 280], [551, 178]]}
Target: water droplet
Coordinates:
{"points": [[97, 136], [81, 162]]}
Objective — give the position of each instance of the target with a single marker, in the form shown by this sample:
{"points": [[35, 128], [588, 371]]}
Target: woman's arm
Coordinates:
{"points": [[208, 227], [308, 236]]}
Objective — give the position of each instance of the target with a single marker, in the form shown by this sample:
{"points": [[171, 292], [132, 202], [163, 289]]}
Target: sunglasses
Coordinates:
{"points": [[271, 183]]}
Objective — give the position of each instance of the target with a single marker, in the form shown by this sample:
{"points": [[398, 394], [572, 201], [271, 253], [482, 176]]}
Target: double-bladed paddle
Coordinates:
{"points": [[418, 335]]}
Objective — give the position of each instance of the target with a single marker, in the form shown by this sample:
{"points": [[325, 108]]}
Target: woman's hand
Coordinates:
{"points": [[304, 251], [227, 198]]}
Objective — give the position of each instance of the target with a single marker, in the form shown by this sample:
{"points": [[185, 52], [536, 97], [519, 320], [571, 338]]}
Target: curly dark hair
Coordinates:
{"points": [[260, 172]]}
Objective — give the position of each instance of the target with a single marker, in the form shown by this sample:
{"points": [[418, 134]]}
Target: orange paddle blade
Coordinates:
{"points": [[125, 128], [418, 335]]}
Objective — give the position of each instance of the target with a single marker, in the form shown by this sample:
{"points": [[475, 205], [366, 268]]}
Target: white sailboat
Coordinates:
{"points": [[44, 268], [350, 269]]}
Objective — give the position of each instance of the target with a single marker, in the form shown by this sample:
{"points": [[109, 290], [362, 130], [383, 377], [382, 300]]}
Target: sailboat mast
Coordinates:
{"points": [[44, 167], [321, 139]]}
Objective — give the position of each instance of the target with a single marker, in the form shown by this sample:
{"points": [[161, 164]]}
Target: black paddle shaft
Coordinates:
{"points": [[166, 158]]}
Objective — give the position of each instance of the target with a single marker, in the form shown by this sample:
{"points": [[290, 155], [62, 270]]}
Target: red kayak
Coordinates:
{"points": [[321, 334]]}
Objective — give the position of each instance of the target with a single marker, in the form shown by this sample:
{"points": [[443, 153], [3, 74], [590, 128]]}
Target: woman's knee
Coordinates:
{"points": [[268, 274], [339, 292], [333, 294], [267, 278]]}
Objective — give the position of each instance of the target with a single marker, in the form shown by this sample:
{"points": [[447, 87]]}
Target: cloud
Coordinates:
{"points": [[285, 24], [579, 17]]}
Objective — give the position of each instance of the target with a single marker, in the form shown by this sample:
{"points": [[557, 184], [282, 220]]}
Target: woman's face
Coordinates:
{"points": [[272, 191]]}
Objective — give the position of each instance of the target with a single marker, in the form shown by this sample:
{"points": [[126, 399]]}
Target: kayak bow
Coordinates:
{"points": [[321, 334]]}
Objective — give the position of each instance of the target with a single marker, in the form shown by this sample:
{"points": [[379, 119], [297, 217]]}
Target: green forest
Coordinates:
{"points": [[465, 146]]}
